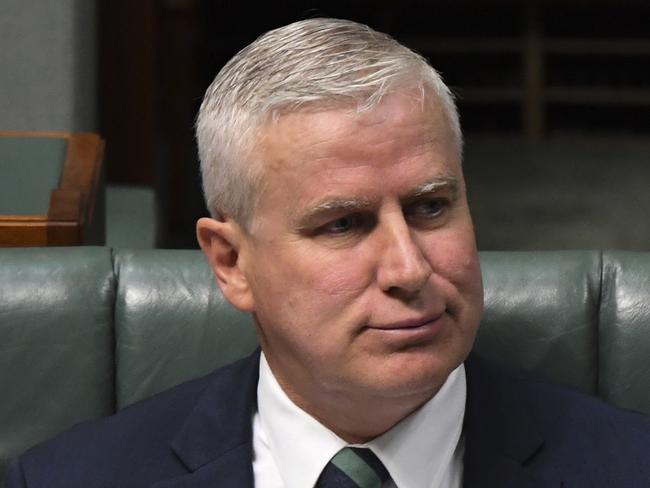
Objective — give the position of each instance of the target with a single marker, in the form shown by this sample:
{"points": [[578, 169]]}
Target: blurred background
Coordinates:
{"points": [[554, 98]]}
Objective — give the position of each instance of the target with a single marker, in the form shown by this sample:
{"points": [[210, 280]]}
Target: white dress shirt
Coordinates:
{"points": [[425, 450]]}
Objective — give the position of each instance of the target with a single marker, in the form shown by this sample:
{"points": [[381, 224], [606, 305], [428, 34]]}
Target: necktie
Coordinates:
{"points": [[353, 467]]}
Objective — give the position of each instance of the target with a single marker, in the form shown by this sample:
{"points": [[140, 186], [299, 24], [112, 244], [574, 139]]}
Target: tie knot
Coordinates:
{"points": [[353, 467]]}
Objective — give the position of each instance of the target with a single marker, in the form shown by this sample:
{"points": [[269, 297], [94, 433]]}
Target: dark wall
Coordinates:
{"points": [[524, 71]]}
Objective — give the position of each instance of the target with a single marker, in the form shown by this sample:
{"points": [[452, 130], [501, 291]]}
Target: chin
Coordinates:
{"points": [[421, 374]]}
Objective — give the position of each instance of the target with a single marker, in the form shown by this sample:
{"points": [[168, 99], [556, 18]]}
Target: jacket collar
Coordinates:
{"points": [[502, 438], [215, 442]]}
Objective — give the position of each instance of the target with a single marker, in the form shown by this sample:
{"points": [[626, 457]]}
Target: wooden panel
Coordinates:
{"points": [[127, 84], [76, 209], [30, 233], [534, 73], [83, 172], [21, 231]]}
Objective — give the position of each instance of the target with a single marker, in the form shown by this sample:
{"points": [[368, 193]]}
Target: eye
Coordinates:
{"points": [[427, 210], [431, 207], [342, 225]]}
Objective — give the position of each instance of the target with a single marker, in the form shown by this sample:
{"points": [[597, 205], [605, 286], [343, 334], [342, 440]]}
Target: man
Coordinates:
{"points": [[331, 160]]}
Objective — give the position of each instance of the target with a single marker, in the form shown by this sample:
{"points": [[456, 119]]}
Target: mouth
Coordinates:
{"points": [[405, 334], [414, 324]]}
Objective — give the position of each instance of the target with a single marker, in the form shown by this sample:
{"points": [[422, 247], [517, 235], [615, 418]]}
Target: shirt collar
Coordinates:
{"points": [[416, 452]]}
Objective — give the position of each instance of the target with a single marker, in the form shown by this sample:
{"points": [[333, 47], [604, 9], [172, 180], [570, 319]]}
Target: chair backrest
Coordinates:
{"points": [[86, 331]]}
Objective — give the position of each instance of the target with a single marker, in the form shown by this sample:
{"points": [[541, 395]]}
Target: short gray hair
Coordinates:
{"points": [[326, 63]]}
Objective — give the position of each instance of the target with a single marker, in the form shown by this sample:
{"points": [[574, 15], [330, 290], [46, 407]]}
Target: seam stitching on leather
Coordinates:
{"points": [[116, 278], [601, 286]]}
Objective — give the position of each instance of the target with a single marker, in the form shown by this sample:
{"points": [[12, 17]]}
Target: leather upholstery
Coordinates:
{"points": [[624, 331], [171, 322], [56, 342], [541, 313], [84, 331]]}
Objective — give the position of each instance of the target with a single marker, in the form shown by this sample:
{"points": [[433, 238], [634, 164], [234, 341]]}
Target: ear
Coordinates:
{"points": [[222, 242]]}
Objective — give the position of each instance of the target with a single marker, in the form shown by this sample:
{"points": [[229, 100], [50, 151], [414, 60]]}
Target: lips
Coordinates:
{"points": [[408, 324]]}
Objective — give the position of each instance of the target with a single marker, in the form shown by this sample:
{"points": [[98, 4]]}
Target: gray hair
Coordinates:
{"points": [[322, 63]]}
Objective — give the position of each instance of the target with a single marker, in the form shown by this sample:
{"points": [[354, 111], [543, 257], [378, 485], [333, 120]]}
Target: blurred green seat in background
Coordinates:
{"points": [[52, 193]]}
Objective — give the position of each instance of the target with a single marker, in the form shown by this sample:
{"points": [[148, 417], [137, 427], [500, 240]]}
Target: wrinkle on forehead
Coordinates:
{"points": [[337, 146], [291, 132]]}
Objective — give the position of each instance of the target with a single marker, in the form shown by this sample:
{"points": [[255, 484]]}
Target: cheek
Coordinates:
{"points": [[336, 273], [339, 281], [453, 256], [312, 282], [330, 292]]}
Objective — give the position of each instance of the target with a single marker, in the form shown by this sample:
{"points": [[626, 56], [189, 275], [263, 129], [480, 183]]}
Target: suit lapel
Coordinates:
{"points": [[233, 468], [215, 442], [486, 467], [502, 438]]}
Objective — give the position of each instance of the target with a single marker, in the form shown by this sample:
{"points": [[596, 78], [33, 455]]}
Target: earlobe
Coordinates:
{"points": [[222, 244]]}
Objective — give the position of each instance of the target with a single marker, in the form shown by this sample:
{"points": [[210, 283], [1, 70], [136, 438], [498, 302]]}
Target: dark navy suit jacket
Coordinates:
{"points": [[518, 433]]}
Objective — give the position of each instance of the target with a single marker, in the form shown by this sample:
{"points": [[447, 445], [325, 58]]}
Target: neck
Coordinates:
{"points": [[353, 416], [359, 420]]}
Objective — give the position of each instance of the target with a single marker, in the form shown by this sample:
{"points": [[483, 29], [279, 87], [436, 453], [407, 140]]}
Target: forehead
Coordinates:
{"points": [[310, 159], [401, 124]]}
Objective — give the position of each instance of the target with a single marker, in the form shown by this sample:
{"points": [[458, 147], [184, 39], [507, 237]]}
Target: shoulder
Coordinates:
{"points": [[548, 401], [133, 444], [580, 435]]}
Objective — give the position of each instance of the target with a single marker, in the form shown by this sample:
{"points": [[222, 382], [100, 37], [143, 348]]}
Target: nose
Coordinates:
{"points": [[403, 269]]}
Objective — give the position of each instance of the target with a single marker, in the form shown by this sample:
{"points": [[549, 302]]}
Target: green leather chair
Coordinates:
{"points": [[86, 331]]}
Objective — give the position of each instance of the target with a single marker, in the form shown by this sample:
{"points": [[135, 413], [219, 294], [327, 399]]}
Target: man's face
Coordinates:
{"points": [[361, 259]]}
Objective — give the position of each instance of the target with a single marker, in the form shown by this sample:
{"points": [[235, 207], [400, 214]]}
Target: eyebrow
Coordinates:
{"points": [[433, 186]]}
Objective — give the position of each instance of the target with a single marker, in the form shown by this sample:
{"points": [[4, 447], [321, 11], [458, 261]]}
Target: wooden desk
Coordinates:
{"points": [[52, 189]]}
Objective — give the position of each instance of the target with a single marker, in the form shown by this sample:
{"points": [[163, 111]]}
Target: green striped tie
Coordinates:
{"points": [[353, 467]]}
